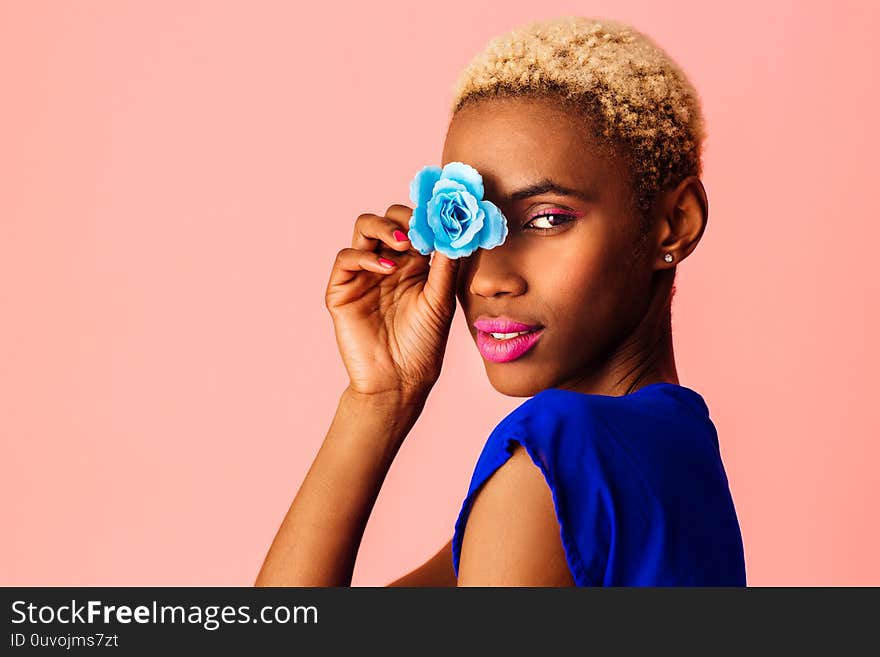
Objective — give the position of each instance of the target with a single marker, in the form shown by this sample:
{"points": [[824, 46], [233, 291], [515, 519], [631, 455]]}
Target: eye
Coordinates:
{"points": [[556, 218]]}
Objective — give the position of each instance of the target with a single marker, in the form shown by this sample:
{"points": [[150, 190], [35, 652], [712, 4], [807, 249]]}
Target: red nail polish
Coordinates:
{"points": [[399, 235], [385, 262]]}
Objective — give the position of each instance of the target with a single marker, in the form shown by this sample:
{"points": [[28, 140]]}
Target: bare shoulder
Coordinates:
{"points": [[512, 534]]}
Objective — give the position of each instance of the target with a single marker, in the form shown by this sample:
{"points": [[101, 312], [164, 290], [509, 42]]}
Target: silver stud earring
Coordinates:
{"points": [[668, 257]]}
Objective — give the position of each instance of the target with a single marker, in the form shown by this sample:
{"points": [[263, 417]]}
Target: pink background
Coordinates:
{"points": [[177, 177]]}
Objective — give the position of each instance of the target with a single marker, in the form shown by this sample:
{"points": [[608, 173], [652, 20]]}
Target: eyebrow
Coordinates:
{"points": [[547, 185]]}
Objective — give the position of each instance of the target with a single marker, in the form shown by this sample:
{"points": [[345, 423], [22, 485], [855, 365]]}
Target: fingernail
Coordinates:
{"points": [[399, 235], [385, 262]]}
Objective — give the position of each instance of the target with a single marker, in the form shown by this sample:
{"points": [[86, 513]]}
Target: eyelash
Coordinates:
{"points": [[570, 218]]}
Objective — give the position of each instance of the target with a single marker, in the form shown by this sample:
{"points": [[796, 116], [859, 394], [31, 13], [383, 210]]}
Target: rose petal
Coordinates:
{"points": [[433, 210], [419, 232], [447, 185], [449, 218], [463, 252], [494, 226], [422, 183], [476, 218], [467, 175]]}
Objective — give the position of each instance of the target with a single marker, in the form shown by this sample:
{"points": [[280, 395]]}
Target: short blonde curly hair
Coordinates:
{"points": [[640, 102]]}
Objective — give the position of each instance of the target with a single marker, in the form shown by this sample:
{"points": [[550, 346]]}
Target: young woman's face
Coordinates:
{"points": [[582, 281]]}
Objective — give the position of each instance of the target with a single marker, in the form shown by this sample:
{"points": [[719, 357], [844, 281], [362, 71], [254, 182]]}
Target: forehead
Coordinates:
{"points": [[513, 142]]}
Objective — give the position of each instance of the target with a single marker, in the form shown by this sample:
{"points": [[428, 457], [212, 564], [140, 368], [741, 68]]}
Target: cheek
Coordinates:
{"points": [[586, 285], [581, 266], [576, 277]]}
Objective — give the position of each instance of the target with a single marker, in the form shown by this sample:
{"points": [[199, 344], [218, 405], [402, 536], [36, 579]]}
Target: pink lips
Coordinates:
{"points": [[501, 325], [502, 351]]}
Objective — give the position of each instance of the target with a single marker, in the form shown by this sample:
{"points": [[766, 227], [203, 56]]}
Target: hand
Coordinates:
{"points": [[391, 324]]}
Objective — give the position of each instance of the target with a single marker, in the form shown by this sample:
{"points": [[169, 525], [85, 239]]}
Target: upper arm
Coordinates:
{"points": [[436, 571], [512, 536]]}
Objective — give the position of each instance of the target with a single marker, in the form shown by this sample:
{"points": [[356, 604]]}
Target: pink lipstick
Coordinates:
{"points": [[511, 338]]}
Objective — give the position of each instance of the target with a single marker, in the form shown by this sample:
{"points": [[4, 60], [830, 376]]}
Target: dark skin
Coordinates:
{"points": [[603, 302], [605, 309]]}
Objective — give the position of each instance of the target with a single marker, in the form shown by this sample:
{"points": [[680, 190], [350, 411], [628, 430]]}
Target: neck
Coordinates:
{"points": [[644, 357]]}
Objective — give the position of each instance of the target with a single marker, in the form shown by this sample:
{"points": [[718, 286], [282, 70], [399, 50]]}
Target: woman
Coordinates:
{"points": [[588, 139]]}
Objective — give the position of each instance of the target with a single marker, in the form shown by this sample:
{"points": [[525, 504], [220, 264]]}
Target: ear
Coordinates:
{"points": [[684, 214]]}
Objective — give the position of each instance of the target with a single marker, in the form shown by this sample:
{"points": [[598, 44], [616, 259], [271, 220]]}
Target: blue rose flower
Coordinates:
{"points": [[450, 214]]}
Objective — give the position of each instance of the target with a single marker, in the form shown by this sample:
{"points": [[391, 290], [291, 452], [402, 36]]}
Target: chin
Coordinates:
{"points": [[505, 378]]}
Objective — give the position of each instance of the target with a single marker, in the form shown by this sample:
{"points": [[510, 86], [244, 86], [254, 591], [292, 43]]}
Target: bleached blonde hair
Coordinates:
{"points": [[639, 101]]}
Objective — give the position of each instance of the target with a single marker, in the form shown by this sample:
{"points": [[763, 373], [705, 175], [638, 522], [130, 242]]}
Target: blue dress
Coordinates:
{"points": [[637, 481]]}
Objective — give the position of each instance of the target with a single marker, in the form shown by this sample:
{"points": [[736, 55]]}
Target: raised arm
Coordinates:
{"points": [[319, 539], [392, 308]]}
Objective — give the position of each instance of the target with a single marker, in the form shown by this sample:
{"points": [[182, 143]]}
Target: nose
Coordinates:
{"points": [[493, 272]]}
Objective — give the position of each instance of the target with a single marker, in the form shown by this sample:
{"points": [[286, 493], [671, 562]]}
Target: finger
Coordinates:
{"points": [[442, 275], [351, 261], [371, 231]]}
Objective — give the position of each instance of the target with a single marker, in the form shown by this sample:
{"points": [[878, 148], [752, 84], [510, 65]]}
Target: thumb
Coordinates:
{"points": [[442, 275]]}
